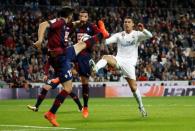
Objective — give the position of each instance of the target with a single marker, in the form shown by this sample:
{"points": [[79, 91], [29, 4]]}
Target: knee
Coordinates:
{"points": [[47, 87], [68, 90], [84, 80]]}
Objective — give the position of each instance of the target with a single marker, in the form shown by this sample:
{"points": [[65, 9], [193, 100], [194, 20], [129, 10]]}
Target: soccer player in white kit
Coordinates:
{"points": [[127, 55]]}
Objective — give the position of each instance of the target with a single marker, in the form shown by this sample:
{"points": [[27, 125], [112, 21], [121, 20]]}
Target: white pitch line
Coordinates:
{"points": [[124, 105], [38, 127]]}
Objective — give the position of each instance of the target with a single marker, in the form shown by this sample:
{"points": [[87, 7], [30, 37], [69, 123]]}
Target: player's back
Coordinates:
{"points": [[56, 35]]}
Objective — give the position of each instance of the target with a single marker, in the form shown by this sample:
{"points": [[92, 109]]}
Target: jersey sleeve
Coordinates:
{"points": [[143, 35], [56, 23], [112, 39]]}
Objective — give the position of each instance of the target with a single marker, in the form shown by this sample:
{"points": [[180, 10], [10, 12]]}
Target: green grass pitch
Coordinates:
{"points": [[106, 114]]}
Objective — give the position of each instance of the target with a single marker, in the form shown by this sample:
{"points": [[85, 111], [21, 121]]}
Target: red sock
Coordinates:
{"points": [[85, 94], [58, 101], [76, 100], [41, 97]]}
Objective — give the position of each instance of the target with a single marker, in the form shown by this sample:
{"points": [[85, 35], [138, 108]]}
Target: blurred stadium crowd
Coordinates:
{"points": [[164, 57]]}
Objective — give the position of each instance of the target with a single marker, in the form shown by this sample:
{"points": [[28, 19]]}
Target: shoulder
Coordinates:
{"points": [[56, 23], [91, 25], [119, 34], [56, 20], [136, 32]]}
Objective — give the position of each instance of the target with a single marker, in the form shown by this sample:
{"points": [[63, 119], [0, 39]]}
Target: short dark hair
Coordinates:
{"points": [[66, 11], [127, 17], [83, 11]]}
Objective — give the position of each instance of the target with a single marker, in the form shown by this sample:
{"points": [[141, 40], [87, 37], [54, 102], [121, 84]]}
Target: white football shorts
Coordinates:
{"points": [[127, 67]]}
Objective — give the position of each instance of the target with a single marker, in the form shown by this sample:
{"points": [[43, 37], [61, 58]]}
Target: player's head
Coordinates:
{"points": [[83, 16], [66, 12], [128, 24]]}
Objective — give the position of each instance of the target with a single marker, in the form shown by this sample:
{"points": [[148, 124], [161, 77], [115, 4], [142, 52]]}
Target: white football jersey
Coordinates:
{"points": [[127, 43]]}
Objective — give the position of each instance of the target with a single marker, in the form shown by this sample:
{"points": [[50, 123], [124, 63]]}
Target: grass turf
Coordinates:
{"points": [[111, 114]]}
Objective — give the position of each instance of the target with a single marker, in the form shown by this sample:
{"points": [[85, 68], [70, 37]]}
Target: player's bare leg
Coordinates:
{"points": [[137, 95], [85, 93], [106, 59], [50, 115], [40, 98], [77, 101], [73, 95], [109, 59], [43, 93]]}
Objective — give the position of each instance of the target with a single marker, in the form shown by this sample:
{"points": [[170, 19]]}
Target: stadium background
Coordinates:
{"points": [[161, 58]]}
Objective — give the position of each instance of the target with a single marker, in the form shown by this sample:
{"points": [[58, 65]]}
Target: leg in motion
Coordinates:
{"points": [[40, 98], [76, 100], [66, 80], [85, 93], [137, 95]]}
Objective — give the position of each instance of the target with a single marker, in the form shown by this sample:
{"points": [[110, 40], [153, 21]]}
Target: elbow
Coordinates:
{"points": [[147, 33]]}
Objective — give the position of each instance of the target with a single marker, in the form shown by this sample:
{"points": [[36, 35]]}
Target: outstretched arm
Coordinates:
{"points": [[112, 39]]}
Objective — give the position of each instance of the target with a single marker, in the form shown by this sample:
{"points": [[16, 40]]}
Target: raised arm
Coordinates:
{"points": [[41, 33], [144, 33], [52, 24]]}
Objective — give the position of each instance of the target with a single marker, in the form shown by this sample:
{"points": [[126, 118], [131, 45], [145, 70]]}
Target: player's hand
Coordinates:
{"points": [[37, 45], [140, 26]]}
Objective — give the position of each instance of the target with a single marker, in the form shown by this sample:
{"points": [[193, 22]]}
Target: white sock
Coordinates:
{"points": [[138, 97], [101, 64]]}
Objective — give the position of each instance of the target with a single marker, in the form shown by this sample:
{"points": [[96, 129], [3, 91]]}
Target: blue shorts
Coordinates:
{"points": [[83, 67], [63, 64]]}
